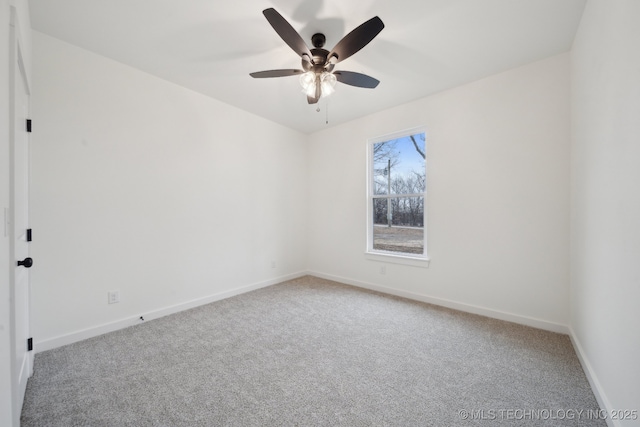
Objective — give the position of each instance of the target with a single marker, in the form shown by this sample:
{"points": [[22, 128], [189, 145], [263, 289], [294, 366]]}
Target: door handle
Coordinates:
{"points": [[26, 263]]}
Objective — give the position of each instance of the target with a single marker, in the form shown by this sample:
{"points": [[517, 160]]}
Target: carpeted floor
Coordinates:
{"points": [[313, 352]]}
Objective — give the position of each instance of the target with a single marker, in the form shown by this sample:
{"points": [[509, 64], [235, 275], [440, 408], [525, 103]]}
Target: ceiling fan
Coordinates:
{"points": [[317, 76]]}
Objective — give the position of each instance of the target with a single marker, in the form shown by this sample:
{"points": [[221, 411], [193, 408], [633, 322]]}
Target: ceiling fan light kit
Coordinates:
{"points": [[310, 82], [317, 77]]}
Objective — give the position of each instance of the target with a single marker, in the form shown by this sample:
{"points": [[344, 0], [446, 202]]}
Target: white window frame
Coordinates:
{"points": [[388, 256]]}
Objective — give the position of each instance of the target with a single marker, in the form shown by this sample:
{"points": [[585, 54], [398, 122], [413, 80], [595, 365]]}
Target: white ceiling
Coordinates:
{"points": [[211, 46]]}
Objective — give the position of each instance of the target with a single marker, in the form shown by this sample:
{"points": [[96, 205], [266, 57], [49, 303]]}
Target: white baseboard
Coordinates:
{"points": [[483, 311], [602, 399], [84, 334]]}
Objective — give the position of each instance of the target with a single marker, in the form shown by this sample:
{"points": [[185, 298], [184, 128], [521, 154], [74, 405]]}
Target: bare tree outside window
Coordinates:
{"points": [[398, 187]]}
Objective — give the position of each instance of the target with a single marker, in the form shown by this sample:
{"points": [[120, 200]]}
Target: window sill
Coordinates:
{"points": [[398, 259]]}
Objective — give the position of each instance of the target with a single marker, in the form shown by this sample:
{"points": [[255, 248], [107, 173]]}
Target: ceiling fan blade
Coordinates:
{"points": [[356, 79], [287, 32], [275, 73], [312, 100], [356, 39]]}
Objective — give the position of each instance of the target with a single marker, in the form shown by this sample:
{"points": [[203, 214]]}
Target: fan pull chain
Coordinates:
{"points": [[326, 110]]}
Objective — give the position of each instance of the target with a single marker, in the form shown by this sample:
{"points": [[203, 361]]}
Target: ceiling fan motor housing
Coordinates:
{"points": [[318, 55]]}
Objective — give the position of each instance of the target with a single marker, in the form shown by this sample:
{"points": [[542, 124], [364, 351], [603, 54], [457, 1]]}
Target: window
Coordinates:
{"points": [[397, 185]]}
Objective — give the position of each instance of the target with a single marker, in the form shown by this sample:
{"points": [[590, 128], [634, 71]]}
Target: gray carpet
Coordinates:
{"points": [[313, 352]]}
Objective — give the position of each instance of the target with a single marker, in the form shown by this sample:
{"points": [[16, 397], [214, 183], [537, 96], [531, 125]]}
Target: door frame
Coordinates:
{"points": [[17, 71]]}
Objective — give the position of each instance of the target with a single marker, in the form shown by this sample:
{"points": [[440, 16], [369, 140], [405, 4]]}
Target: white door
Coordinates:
{"points": [[22, 363]]}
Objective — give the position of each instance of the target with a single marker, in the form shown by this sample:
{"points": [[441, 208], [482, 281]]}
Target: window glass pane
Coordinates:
{"points": [[380, 211], [398, 239], [407, 211], [399, 165], [405, 233]]}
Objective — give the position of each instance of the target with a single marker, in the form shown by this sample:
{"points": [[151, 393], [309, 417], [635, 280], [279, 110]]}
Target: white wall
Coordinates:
{"points": [[498, 197], [605, 206], [145, 187]]}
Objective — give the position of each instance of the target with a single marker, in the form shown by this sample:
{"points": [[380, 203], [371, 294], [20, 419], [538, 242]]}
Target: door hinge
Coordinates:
{"points": [[28, 125], [30, 344], [29, 235]]}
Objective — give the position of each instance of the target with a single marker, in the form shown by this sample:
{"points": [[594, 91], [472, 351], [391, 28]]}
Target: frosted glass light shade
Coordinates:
{"points": [[308, 82], [328, 83]]}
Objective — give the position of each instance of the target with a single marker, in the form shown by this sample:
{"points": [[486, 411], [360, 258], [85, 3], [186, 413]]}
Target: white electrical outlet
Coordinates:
{"points": [[273, 264], [383, 269], [113, 297]]}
